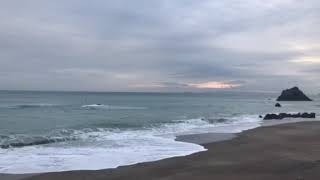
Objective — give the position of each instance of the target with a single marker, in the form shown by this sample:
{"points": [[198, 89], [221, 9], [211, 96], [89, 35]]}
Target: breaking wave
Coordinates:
{"points": [[65, 150], [31, 141], [177, 127]]}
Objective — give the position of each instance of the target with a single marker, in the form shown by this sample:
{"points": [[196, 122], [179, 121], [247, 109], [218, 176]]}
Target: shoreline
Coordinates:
{"points": [[207, 138], [295, 129]]}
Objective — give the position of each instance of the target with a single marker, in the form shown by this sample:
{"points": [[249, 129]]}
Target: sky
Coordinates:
{"points": [[160, 46]]}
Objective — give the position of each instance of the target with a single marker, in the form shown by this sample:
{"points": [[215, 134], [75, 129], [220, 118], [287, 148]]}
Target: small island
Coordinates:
{"points": [[293, 94]]}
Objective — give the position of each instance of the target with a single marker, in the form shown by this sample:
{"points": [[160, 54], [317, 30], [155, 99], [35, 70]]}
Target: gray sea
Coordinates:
{"points": [[59, 131]]}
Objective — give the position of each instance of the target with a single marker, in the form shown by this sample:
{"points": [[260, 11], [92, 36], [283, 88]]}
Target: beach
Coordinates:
{"points": [[62, 131], [287, 151], [160, 90]]}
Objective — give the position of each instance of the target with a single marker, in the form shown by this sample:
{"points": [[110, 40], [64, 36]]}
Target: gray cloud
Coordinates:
{"points": [[157, 45]]}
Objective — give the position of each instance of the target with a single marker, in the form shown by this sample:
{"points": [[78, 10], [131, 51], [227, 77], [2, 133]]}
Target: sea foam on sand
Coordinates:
{"points": [[104, 149]]}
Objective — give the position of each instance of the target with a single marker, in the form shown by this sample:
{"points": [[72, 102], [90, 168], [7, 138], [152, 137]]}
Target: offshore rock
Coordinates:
{"points": [[286, 115], [293, 94]]}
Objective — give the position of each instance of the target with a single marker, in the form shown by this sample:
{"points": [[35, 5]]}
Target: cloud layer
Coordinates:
{"points": [[164, 45]]}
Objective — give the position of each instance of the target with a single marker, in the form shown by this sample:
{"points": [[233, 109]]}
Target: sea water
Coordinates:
{"points": [[60, 131]]}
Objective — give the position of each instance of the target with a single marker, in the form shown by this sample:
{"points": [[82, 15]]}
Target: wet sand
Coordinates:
{"points": [[283, 152], [206, 138], [14, 176]]}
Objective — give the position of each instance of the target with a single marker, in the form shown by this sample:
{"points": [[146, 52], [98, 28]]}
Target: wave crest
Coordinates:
{"points": [[172, 129], [111, 107], [25, 106], [16, 141]]}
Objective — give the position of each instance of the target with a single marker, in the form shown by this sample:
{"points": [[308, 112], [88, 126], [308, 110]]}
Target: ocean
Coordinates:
{"points": [[60, 131]]}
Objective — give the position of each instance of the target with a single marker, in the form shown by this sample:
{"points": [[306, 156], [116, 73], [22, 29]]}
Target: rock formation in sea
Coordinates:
{"points": [[287, 115], [293, 94], [277, 105]]}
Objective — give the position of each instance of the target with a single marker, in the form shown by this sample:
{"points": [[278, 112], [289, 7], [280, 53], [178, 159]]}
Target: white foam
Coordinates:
{"points": [[232, 125], [105, 148], [130, 149]]}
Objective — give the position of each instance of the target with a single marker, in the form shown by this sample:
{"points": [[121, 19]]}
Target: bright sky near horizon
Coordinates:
{"points": [[164, 45]]}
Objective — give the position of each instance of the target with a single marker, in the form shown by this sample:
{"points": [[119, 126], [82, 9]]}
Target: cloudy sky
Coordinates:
{"points": [[163, 45]]}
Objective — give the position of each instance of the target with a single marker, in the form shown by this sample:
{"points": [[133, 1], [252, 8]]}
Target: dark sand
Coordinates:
{"points": [[283, 152], [13, 176]]}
